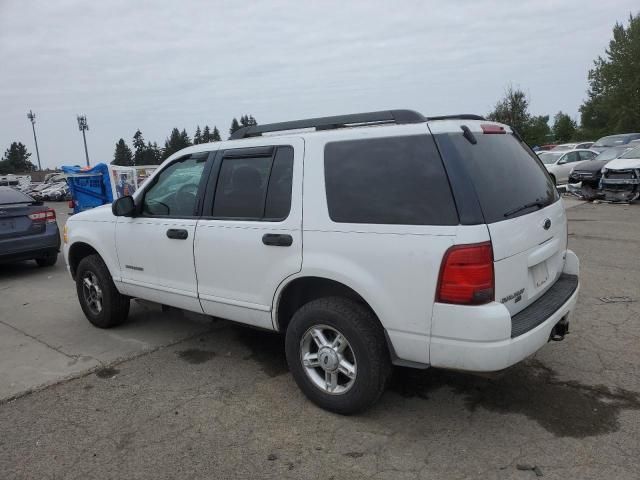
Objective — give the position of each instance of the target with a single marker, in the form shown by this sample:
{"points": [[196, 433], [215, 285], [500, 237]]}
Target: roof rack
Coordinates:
{"points": [[397, 117], [461, 116], [383, 117]]}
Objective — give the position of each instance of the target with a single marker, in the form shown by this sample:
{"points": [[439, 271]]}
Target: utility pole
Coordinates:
{"points": [[32, 116], [83, 126]]}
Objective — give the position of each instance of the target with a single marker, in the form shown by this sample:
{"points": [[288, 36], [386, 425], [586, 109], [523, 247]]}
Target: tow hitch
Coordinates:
{"points": [[560, 330]]}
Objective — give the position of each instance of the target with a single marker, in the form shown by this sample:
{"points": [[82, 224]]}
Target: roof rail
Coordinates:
{"points": [[462, 116], [397, 117]]}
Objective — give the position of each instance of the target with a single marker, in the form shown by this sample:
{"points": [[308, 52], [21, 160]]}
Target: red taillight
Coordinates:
{"points": [[48, 215], [71, 204], [492, 128], [466, 275]]}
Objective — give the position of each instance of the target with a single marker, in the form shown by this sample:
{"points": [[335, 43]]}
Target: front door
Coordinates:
{"points": [[155, 248], [249, 238]]}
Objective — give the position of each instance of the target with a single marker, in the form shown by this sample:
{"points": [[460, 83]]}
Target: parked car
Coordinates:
{"points": [[571, 146], [359, 241], [621, 177], [584, 179], [559, 164], [614, 141], [28, 230]]}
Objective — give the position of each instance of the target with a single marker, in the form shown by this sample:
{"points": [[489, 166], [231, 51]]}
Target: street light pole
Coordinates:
{"points": [[32, 116], [83, 126]]}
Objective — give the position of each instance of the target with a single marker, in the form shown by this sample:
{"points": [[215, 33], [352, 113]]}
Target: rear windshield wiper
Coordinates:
{"points": [[536, 203]]}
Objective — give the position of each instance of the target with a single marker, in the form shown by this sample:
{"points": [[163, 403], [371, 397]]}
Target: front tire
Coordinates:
{"points": [[99, 298], [337, 354]]}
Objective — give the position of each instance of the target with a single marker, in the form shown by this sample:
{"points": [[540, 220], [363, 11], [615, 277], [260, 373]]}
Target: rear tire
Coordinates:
{"points": [[48, 261], [99, 298], [359, 359]]}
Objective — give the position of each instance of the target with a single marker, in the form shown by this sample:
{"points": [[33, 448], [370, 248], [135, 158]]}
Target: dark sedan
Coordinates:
{"points": [[28, 229]]}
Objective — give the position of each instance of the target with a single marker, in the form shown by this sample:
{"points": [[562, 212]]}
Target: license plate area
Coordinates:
{"points": [[539, 275], [7, 225]]}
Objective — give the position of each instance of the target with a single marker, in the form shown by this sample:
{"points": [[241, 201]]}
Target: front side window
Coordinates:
{"points": [[586, 155], [175, 189], [392, 180], [255, 187]]}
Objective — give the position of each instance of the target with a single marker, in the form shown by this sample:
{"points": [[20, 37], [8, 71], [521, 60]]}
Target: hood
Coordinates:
{"points": [[590, 165], [623, 163], [99, 214]]}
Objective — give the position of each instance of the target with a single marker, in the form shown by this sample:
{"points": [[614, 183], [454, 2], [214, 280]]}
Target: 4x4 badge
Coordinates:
{"points": [[547, 224]]}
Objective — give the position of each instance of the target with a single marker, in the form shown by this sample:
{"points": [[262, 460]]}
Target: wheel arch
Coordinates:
{"points": [[301, 290], [78, 251]]}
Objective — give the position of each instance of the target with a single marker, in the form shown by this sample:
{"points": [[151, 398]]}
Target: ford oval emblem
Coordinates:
{"points": [[547, 224]]}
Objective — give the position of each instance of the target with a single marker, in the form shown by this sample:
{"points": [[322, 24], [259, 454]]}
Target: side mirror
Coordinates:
{"points": [[124, 207]]}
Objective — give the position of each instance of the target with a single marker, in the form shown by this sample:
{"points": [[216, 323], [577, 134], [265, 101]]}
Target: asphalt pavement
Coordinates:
{"points": [[172, 395]]}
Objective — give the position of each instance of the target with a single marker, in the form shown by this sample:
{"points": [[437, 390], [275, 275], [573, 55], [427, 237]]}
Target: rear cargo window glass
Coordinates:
{"points": [[506, 175], [394, 180], [9, 195]]}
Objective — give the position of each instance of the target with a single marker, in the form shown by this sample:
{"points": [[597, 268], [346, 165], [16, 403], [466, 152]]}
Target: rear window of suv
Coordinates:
{"points": [[392, 180], [506, 175]]}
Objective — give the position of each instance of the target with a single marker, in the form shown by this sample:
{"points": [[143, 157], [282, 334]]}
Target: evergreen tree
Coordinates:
{"points": [[215, 136], [206, 134], [122, 155], [564, 128], [16, 160], [138, 148], [186, 141], [235, 126], [197, 137], [614, 85], [152, 154], [251, 120], [176, 141]]}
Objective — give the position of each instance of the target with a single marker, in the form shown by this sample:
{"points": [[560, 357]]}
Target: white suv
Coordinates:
{"points": [[368, 240]]}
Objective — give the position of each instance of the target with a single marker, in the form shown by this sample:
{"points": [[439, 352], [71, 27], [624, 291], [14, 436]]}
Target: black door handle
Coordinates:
{"points": [[277, 239], [177, 233]]}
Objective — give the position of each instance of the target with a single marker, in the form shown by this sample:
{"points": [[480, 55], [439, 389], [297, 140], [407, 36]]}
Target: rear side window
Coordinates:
{"points": [[506, 175], [255, 187], [394, 180]]}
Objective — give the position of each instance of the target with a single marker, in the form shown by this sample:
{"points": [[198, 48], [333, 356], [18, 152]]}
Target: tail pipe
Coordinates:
{"points": [[560, 330]]}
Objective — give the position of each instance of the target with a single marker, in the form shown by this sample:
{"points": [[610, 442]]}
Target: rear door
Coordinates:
{"points": [[565, 165], [520, 205], [250, 236]]}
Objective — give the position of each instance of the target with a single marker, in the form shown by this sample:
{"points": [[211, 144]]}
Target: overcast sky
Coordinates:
{"points": [[154, 65]]}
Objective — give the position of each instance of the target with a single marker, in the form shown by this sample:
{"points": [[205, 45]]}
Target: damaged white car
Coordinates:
{"points": [[621, 177]]}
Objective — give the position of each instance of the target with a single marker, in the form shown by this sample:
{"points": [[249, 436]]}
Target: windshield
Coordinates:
{"points": [[611, 141], [611, 154], [549, 158], [633, 153], [560, 148]]}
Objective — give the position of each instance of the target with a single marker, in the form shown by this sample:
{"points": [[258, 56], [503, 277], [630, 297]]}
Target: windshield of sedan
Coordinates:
{"points": [[633, 153], [610, 154], [549, 158]]}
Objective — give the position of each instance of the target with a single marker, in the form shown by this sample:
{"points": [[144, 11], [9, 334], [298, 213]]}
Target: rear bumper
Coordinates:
{"points": [[31, 246], [487, 339]]}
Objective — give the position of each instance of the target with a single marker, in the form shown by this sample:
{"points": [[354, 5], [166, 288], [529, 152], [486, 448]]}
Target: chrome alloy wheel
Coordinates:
{"points": [[328, 359], [92, 292]]}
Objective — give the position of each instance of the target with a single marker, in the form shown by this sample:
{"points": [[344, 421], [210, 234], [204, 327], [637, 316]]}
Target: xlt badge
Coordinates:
{"points": [[516, 296]]}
